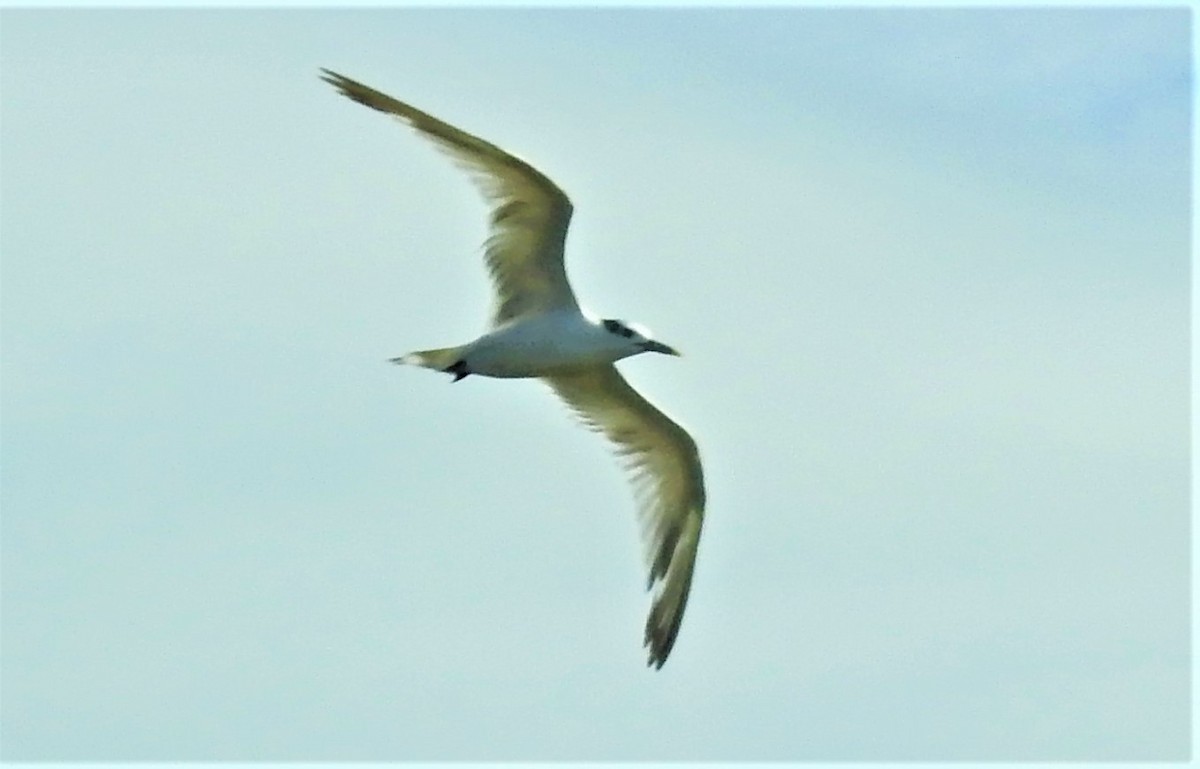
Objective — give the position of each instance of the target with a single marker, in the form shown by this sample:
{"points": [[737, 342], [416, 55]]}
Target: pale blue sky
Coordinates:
{"points": [[929, 270]]}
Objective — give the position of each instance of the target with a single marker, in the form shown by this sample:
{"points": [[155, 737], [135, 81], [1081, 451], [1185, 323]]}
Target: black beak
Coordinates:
{"points": [[653, 346]]}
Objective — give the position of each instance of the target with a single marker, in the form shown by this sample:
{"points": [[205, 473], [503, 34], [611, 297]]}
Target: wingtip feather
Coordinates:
{"points": [[666, 613]]}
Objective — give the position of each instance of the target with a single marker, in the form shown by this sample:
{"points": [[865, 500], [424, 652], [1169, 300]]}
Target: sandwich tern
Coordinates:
{"points": [[538, 330]]}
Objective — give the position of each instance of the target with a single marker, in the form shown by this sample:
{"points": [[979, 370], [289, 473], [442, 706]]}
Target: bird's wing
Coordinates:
{"points": [[529, 217], [665, 468]]}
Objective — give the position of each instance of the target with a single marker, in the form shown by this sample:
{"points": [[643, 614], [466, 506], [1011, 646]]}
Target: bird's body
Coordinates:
{"points": [[539, 331], [536, 346]]}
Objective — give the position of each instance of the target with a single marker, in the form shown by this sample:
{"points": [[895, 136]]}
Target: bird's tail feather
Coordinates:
{"points": [[438, 360]]}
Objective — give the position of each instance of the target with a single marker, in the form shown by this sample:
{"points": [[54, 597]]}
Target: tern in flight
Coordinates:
{"points": [[539, 331]]}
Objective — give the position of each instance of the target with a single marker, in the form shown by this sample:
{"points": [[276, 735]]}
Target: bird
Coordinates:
{"points": [[538, 330]]}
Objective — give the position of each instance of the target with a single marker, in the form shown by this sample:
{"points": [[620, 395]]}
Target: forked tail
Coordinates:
{"points": [[442, 359]]}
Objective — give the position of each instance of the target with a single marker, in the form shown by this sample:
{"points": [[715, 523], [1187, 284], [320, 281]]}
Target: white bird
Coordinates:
{"points": [[539, 331]]}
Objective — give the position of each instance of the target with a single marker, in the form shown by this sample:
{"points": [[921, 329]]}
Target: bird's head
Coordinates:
{"points": [[637, 339]]}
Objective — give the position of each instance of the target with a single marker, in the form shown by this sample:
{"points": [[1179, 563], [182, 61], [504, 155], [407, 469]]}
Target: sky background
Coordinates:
{"points": [[929, 270]]}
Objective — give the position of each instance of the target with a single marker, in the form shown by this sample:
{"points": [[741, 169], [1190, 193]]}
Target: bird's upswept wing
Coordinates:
{"points": [[529, 216], [669, 484]]}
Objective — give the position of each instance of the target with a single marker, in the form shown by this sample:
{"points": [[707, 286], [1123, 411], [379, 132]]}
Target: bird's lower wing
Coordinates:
{"points": [[664, 465]]}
